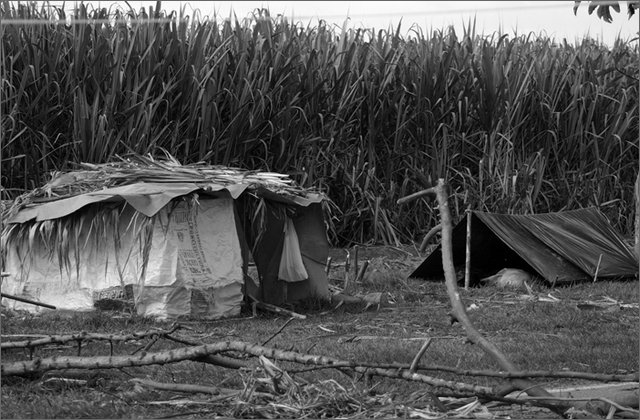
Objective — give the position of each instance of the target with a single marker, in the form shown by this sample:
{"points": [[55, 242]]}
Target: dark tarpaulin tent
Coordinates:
{"points": [[559, 247]]}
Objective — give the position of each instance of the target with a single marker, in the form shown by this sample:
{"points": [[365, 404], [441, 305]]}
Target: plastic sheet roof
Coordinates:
{"points": [[148, 184], [147, 198]]}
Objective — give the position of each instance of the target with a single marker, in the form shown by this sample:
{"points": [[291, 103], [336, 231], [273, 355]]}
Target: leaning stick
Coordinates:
{"points": [[25, 300], [459, 312], [221, 393], [416, 360]]}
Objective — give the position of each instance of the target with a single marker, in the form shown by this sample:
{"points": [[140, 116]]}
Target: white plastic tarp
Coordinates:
{"points": [[194, 265], [146, 197]]}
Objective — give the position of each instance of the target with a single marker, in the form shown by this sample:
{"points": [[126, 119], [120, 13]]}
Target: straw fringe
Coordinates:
{"points": [[137, 168]]}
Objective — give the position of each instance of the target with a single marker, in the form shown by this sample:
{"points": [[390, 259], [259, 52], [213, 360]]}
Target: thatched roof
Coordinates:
{"points": [[135, 169], [51, 213]]}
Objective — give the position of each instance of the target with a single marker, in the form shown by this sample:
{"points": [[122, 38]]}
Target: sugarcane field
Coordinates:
{"points": [[210, 215]]}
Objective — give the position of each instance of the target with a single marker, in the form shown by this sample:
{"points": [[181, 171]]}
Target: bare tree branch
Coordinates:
{"points": [[85, 336], [460, 314], [194, 353]]}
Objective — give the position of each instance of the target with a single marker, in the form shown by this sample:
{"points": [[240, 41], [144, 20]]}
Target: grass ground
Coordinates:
{"points": [[535, 335]]}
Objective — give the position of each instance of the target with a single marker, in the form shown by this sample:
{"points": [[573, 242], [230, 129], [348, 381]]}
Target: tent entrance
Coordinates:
{"points": [[489, 254], [558, 247]]}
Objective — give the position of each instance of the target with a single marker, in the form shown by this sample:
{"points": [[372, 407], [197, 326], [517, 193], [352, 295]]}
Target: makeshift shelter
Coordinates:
{"points": [[559, 247], [190, 240]]}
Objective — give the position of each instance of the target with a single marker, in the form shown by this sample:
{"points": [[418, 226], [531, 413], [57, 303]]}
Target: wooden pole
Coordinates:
{"points": [[467, 261], [25, 300], [355, 261], [595, 276], [347, 267], [637, 194], [361, 272]]}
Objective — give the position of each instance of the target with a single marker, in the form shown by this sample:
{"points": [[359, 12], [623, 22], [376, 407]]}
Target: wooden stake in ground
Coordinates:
{"points": [[356, 267], [595, 276], [362, 271], [467, 261], [347, 267]]}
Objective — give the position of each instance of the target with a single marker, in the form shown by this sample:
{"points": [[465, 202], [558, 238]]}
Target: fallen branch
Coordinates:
{"points": [[276, 309], [198, 352], [526, 400], [377, 299], [606, 403], [601, 377], [356, 338], [194, 353], [61, 339], [66, 382], [343, 298], [212, 359], [187, 388], [5, 336]]}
